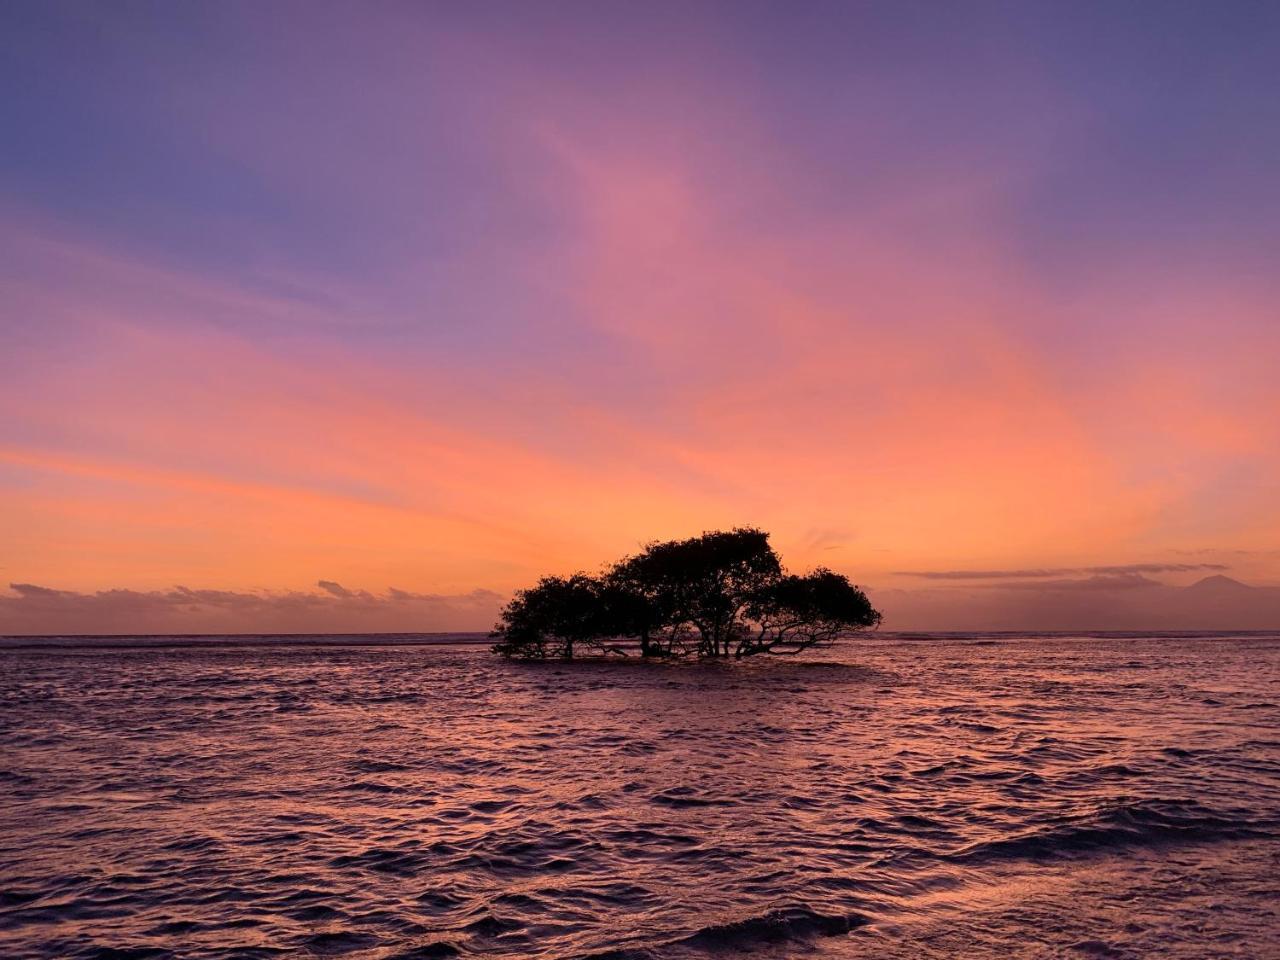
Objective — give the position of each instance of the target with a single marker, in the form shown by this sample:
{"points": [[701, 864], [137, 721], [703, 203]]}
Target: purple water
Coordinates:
{"points": [[956, 796]]}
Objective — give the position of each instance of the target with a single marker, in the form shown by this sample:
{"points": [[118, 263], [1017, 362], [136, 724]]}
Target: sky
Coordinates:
{"points": [[343, 316]]}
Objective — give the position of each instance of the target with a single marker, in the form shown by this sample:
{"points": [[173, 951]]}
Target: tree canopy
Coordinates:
{"points": [[721, 594]]}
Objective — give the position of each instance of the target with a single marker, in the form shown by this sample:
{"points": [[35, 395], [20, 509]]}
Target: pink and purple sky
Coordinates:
{"points": [[338, 316]]}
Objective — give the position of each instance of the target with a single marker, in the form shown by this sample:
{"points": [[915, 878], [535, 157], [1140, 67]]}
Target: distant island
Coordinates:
{"points": [[721, 594]]}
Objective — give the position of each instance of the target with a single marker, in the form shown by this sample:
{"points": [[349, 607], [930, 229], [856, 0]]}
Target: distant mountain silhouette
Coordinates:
{"points": [[1216, 602], [1220, 585]]}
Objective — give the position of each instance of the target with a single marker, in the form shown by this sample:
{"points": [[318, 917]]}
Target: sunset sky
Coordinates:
{"points": [[360, 316]]}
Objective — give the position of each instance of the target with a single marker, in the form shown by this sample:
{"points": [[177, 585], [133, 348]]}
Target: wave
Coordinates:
{"points": [[1132, 824], [776, 926], [786, 925], [429, 951], [687, 797]]}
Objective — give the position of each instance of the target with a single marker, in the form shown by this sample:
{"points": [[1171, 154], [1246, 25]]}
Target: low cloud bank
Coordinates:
{"points": [[1106, 598], [32, 609]]}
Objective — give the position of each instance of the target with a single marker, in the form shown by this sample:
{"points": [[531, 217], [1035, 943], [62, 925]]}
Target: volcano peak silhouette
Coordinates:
{"points": [[1220, 584]]}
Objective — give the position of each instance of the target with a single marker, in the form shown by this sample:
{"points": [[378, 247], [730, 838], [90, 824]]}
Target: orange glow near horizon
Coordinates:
{"points": [[666, 322]]}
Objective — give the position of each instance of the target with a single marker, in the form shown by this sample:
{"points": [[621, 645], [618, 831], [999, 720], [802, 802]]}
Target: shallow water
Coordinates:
{"points": [[962, 796]]}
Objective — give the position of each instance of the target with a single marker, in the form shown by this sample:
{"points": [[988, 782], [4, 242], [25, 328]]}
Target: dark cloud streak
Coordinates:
{"points": [[1046, 573]]}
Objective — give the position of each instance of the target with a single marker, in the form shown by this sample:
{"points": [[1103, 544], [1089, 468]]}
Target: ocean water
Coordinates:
{"points": [[957, 796]]}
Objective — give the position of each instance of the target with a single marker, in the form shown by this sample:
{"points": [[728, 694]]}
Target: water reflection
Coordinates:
{"points": [[900, 799]]}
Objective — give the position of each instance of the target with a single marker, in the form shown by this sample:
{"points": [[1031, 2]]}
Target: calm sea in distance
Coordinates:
{"points": [[976, 796]]}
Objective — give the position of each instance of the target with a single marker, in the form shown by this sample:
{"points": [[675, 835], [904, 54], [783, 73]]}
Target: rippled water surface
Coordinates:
{"points": [[951, 797]]}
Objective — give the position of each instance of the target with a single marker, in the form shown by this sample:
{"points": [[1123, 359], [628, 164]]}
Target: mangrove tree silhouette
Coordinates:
{"points": [[722, 594]]}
